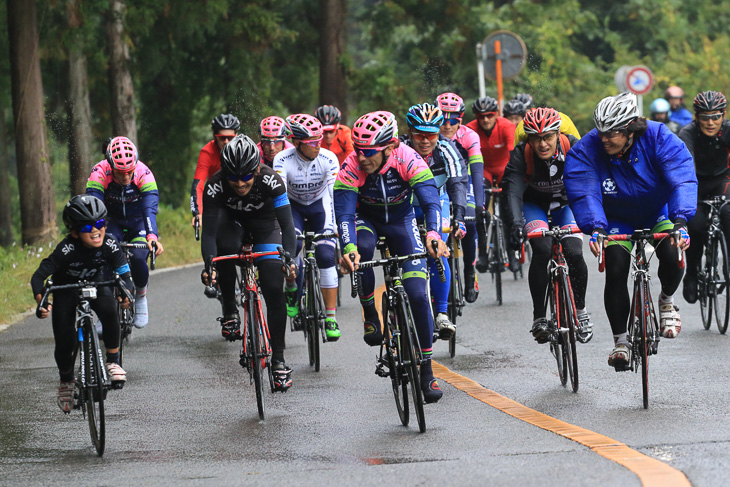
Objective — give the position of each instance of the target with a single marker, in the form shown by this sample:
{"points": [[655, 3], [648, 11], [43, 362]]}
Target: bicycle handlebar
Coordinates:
{"points": [[555, 232], [492, 190], [643, 235], [317, 236], [50, 288], [439, 264], [143, 246], [354, 281], [197, 228]]}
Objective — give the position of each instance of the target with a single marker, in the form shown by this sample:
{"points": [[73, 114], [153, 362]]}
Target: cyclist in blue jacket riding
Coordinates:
{"points": [[628, 174], [372, 196], [451, 177]]}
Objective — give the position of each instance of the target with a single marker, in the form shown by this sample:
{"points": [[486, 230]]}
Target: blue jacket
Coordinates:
{"points": [[658, 171], [681, 115]]}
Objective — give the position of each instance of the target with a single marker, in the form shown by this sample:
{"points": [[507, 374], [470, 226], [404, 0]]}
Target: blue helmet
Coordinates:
{"points": [[425, 118], [660, 105]]}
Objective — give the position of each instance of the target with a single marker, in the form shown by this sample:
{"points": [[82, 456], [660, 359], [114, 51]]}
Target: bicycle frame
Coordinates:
{"points": [[713, 282]]}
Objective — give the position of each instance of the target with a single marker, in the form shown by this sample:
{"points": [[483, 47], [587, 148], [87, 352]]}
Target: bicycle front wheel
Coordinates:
{"points": [[411, 358], [455, 298], [94, 387], [720, 282], [644, 317], [255, 357], [568, 330], [705, 286], [556, 339], [392, 349], [497, 260]]}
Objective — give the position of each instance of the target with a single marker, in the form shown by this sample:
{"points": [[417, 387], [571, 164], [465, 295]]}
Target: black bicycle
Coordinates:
{"points": [[456, 287], [643, 327], [126, 315], [312, 311], [714, 273], [563, 313], [92, 382], [497, 256]]}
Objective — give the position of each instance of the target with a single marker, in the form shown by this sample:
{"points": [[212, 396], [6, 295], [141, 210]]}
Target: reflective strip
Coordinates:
{"points": [[412, 274], [281, 200], [122, 270]]}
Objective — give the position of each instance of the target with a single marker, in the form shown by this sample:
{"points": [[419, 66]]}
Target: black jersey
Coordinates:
{"points": [[710, 153], [71, 262]]}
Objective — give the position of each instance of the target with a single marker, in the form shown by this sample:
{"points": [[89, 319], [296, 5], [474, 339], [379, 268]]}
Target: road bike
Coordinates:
{"points": [[456, 287], [563, 313], [713, 275], [643, 327], [255, 354], [312, 311], [400, 352], [91, 380], [497, 256], [126, 315]]}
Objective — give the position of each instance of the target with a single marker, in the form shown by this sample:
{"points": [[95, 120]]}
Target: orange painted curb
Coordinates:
{"points": [[651, 472]]}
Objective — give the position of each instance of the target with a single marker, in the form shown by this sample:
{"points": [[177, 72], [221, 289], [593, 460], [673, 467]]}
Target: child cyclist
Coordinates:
{"points": [[86, 253]]}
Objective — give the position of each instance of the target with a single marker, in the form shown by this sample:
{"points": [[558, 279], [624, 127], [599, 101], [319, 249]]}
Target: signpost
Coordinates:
{"points": [[502, 56], [639, 80]]}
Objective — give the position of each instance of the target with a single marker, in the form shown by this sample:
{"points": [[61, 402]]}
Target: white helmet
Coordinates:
{"points": [[616, 112]]}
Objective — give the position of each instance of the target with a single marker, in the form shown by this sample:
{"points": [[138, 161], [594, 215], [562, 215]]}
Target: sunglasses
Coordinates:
{"points": [[707, 117], [370, 152], [536, 139], [312, 143], [99, 224], [452, 121], [225, 138], [245, 178], [421, 136], [487, 115], [611, 134], [271, 141]]}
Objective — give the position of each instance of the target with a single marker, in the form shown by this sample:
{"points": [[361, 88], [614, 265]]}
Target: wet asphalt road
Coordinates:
{"points": [[188, 414]]}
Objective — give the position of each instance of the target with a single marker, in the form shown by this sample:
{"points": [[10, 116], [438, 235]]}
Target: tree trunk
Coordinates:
{"points": [[37, 211], [332, 45], [79, 110], [120, 80], [6, 221]]}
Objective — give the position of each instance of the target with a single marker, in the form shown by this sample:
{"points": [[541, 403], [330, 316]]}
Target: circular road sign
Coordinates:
{"points": [[513, 54], [640, 80]]}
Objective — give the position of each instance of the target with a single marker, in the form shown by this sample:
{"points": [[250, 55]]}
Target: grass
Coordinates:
{"points": [[17, 263]]}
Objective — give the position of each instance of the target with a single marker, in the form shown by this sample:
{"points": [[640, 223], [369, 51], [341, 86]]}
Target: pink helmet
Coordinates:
{"points": [[272, 127], [374, 129], [122, 154], [303, 126], [450, 102], [674, 92]]}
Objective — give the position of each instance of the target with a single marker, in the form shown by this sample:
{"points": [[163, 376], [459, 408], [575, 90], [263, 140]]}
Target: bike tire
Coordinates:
{"points": [[704, 285], [644, 317], [571, 321], [720, 281], [392, 347], [254, 355], [455, 297], [94, 388], [411, 353], [499, 262], [555, 339], [318, 317]]}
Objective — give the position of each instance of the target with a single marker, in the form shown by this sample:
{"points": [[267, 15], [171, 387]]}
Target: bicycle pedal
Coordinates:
{"points": [[118, 385], [380, 372], [622, 367]]}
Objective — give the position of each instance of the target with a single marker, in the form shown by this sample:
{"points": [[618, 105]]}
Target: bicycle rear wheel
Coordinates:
{"points": [[720, 281], [705, 286], [94, 387], [570, 317], [411, 359], [255, 358], [392, 347]]}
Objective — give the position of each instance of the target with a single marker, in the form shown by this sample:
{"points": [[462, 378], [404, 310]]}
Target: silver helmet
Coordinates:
{"points": [[616, 112]]}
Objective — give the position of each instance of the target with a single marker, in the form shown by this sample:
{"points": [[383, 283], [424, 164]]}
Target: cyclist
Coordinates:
{"points": [[567, 127], [247, 202], [467, 141], [533, 181], [525, 99], [129, 190], [85, 253], [514, 111], [224, 126], [628, 174], [309, 173], [497, 139], [659, 110], [708, 140], [675, 96], [272, 131], [337, 137], [374, 189], [451, 178]]}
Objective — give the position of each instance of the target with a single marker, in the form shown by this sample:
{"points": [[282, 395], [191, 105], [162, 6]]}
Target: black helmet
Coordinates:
{"points": [[514, 107], [525, 99], [328, 115], [709, 101], [224, 121], [240, 156], [486, 104], [83, 209]]}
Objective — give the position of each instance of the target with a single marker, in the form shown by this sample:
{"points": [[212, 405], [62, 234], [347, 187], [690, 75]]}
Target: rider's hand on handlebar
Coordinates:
{"points": [[195, 219], [443, 250], [207, 279], [45, 312], [156, 248], [460, 230], [347, 265], [597, 237], [516, 237], [683, 242], [126, 304]]}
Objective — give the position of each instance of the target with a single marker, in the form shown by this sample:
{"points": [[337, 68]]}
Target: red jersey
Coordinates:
{"points": [[495, 147], [209, 163], [342, 143]]}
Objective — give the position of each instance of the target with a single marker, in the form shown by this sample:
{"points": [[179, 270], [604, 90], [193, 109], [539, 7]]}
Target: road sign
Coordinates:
{"points": [[620, 78], [640, 80], [513, 54]]}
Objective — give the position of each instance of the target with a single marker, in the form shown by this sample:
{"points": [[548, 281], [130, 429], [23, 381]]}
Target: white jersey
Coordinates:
{"points": [[307, 181]]}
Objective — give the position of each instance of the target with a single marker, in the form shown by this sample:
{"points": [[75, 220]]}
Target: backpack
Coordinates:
{"points": [[530, 156]]}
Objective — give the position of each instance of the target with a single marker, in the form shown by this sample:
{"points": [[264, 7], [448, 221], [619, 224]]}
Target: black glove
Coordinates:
{"points": [[516, 238], [482, 221]]}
